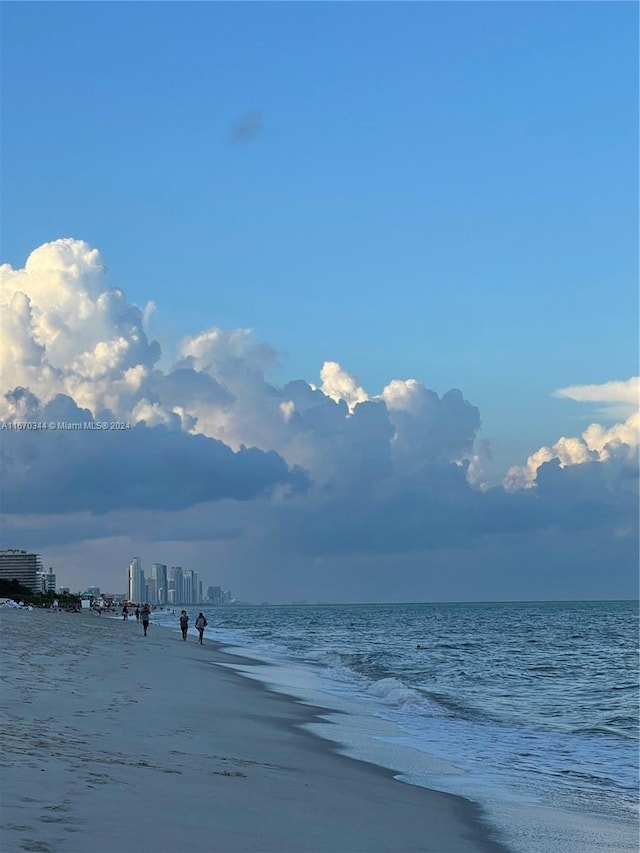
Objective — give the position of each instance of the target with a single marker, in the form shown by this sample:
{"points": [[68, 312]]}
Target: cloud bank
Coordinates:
{"points": [[298, 472]]}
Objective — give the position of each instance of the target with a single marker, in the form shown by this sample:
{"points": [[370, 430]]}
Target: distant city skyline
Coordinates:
{"points": [[170, 586]]}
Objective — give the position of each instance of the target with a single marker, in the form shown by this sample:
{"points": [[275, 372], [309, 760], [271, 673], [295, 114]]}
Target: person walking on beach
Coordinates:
{"points": [[125, 613], [184, 624], [145, 613], [137, 612], [201, 624]]}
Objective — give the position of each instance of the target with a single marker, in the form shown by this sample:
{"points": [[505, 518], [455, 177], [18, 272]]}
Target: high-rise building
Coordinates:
{"points": [[177, 576], [151, 594], [159, 574], [187, 589], [215, 594], [134, 566], [136, 586], [21, 566]]}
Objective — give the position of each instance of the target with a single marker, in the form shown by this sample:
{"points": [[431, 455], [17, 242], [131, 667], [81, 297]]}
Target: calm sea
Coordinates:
{"points": [[530, 709]]}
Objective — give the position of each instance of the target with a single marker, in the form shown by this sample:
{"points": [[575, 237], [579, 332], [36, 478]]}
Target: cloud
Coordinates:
{"points": [[428, 428], [621, 398], [72, 340], [219, 454], [340, 385], [65, 331], [159, 467], [596, 445]]}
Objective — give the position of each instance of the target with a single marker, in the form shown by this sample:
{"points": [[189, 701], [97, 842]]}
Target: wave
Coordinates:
{"points": [[623, 727]]}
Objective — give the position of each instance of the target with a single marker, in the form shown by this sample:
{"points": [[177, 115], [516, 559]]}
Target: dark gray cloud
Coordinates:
{"points": [[394, 538], [366, 507], [430, 429], [63, 470]]}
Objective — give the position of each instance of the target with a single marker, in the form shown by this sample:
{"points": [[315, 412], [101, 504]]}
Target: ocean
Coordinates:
{"points": [[529, 709]]}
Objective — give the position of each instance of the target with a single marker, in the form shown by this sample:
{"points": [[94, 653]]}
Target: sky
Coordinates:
{"points": [[361, 279]]}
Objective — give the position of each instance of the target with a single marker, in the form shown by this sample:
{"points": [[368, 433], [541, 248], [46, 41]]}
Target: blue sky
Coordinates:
{"points": [[445, 192]]}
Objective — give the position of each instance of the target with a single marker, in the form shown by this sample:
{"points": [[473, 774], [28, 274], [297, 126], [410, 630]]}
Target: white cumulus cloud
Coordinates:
{"points": [[620, 397], [341, 385], [597, 444], [65, 331]]}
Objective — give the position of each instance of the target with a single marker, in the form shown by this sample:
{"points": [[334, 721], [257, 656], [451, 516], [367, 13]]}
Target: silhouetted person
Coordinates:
{"points": [[145, 613], [184, 624], [125, 613], [137, 612], [201, 624]]}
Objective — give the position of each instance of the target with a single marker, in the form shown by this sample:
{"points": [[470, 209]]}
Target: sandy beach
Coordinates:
{"points": [[114, 742]]}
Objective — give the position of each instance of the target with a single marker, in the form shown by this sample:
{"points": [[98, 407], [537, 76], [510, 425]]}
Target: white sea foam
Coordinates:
{"points": [[393, 692]]}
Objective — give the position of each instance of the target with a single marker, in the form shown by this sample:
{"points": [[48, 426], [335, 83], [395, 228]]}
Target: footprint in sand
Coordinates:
{"points": [[235, 773], [98, 779], [59, 807]]}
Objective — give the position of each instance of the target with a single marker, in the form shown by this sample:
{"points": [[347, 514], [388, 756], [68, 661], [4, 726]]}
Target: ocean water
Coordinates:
{"points": [[529, 709]]}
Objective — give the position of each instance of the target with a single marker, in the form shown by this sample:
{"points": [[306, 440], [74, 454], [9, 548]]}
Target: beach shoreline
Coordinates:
{"points": [[120, 742]]}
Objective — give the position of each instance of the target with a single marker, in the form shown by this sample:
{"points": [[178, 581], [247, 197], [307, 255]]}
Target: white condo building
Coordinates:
{"points": [[136, 585]]}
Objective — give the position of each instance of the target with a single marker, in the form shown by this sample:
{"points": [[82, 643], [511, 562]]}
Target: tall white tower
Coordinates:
{"points": [[135, 578]]}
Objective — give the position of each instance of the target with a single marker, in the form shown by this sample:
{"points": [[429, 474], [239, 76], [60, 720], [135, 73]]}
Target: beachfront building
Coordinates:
{"points": [[187, 587], [151, 593], [176, 583], [46, 581], [136, 585], [21, 566], [217, 595], [183, 586], [159, 575], [190, 587], [214, 594]]}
